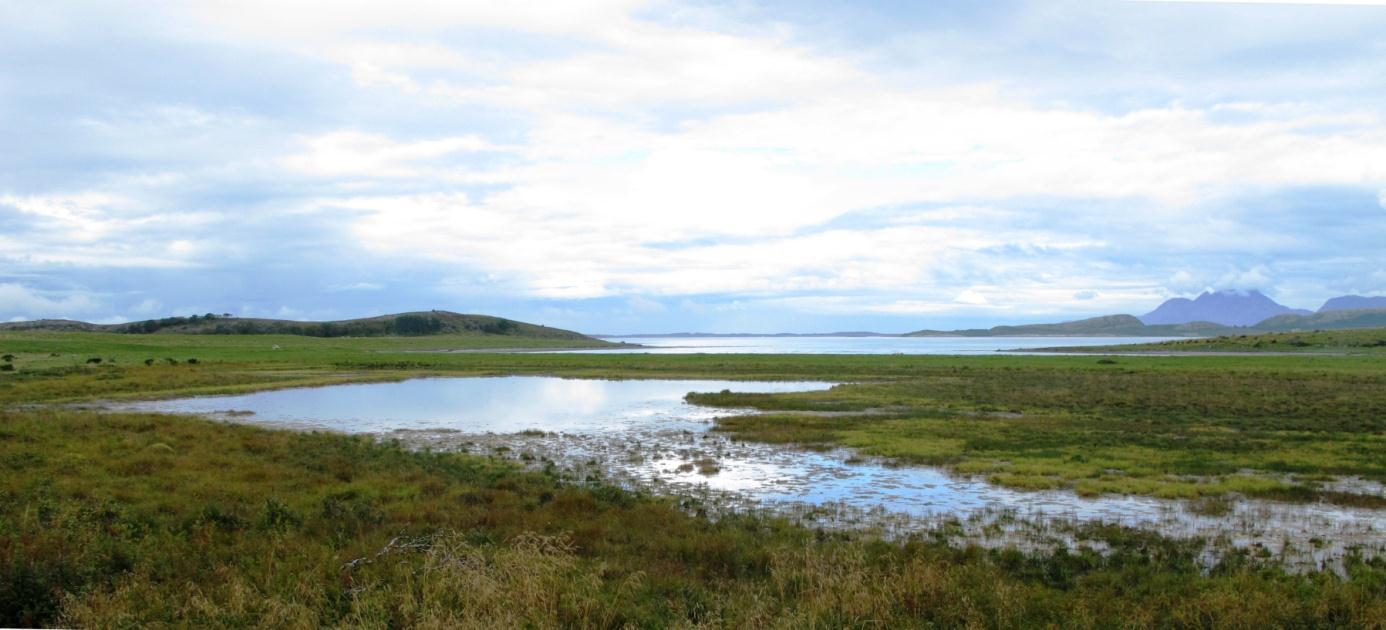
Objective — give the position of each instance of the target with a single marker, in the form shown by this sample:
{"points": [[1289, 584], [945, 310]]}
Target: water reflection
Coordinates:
{"points": [[475, 405], [641, 433]]}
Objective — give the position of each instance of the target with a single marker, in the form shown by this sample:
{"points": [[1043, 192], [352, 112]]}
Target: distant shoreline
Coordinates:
{"points": [[614, 346], [1107, 352], [872, 335]]}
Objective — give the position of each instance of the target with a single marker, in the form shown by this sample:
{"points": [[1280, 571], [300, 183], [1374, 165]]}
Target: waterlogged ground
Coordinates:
{"points": [[641, 433]]}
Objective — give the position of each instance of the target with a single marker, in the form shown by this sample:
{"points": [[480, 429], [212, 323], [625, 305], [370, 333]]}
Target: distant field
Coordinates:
{"points": [[1354, 341], [37, 350], [129, 519]]}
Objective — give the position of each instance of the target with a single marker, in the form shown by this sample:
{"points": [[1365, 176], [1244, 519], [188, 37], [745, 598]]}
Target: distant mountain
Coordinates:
{"points": [[1105, 326], [1329, 320], [1353, 303], [1129, 326], [417, 323], [1229, 308]]}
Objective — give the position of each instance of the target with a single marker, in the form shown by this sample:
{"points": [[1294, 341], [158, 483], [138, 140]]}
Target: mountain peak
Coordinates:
{"points": [[1234, 307]]}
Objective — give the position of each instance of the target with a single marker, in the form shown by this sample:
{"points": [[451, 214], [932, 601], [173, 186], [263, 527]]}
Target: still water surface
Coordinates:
{"points": [[505, 404], [859, 345]]}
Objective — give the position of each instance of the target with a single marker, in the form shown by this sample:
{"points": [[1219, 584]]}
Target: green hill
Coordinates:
{"points": [[1336, 320], [419, 323]]}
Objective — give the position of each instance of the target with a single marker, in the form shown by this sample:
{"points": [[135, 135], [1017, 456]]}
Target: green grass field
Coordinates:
{"points": [[1126, 428], [1351, 341], [133, 520]]}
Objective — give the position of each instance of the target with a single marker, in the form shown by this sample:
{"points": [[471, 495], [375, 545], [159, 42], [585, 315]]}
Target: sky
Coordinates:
{"points": [[623, 166]]}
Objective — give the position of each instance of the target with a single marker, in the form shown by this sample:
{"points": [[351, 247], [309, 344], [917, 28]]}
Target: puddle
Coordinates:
{"points": [[641, 434]]}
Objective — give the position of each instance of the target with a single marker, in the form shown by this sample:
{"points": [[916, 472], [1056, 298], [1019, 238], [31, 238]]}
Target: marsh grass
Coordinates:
{"points": [[1176, 427], [133, 520], [1357, 341], [1159, 432]]}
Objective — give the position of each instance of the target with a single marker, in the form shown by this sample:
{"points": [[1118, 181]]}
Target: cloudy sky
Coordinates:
{"points": [[631, 166]]}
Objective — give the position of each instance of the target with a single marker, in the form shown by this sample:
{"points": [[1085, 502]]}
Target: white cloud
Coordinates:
{"points": [[1381, 199], [148, 307], [559, 254], [94, 229], [315, 21], [575, 150], [605, 206], [352, 153], [593, 204], [898, 307], [19, 301], [1359, 3], [645, 305], [1257, 277], [971, 297], [1022, 300], [604, 201], [357, 286], [81, 217]]}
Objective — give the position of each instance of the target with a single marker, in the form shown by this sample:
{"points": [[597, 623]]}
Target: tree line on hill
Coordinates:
{"points": [[408, 325]]}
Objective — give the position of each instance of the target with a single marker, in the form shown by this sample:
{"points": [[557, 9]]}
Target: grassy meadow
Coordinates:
{"points": [[1350, 341], [118, 520], [1122, 429]]}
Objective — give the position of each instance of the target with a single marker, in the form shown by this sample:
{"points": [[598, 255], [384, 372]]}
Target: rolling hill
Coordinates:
{"points": [[418, 323], [1353, 303], [1326, 320]]}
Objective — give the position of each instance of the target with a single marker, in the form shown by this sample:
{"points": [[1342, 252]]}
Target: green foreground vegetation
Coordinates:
{"points": [[136, 519], [1120, 429], [1357, 341]]}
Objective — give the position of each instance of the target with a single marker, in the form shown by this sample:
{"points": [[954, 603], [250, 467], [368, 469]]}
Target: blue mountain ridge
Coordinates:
{"points": [[1229, 308]]}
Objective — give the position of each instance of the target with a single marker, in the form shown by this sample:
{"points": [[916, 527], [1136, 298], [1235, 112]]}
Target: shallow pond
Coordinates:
{"points": [[506, 404], [641, 433]]}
